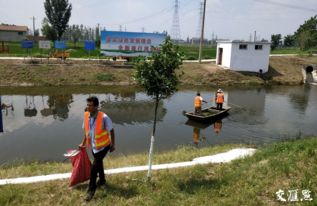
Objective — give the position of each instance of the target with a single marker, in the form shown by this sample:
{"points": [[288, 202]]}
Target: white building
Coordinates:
{"points": [[12, 32], [243, 56]]}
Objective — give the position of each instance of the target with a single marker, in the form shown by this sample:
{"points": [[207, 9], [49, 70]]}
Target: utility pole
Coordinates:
{"points": [[202, 32], [254, 36], [33, 19]]}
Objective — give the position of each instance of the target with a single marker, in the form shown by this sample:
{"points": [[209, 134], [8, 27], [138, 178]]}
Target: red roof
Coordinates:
{"points": [[13, 28]]}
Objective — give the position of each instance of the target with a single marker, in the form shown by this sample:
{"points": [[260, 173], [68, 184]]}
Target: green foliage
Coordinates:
{"points": [[58, 13], [289, 41], [158, 77], [275, 40], [48, 31], [306, 34]]}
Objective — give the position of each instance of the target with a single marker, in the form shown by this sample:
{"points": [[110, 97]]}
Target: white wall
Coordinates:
{"points": [[250, 59], [314, 73], [226, 55]]}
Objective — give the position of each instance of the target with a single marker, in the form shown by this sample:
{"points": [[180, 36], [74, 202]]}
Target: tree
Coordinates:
{"points": [[75, 34], [159, 78], [48, 31], [305, 40], [275, 40], [289, 41], [306, 34], [58, 13]]}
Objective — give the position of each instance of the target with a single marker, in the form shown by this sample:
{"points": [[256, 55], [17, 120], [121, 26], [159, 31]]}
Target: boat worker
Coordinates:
{"points": [[219, 99], [197, 103], [99, 134], [218, 126]]}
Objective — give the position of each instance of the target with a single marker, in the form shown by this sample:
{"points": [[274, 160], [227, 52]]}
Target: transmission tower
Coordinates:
{"points": [[200, 20], [176, 33]]}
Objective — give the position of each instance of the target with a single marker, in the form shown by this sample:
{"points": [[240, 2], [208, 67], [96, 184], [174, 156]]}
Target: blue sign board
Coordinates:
{"points": [[27, 44], [90, 45], [115, 43], [60, 45]]}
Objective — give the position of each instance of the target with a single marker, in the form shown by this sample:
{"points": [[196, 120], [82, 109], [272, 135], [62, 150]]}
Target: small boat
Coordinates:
{"points": [[208, 114]]}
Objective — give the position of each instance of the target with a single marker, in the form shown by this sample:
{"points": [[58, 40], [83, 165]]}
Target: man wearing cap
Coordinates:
{"points": [[220, 98]]}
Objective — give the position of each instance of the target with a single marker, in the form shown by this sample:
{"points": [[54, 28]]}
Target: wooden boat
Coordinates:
{"points": [[208, 114]]}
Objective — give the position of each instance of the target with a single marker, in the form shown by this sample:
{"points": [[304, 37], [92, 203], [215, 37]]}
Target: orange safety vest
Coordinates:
{"points": [[220, 98], [102, 137], [197, 101]]}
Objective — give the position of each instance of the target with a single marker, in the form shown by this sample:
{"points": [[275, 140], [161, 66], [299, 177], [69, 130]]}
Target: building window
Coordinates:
{"points": [[243, 46], [20, 33], [258, 47]]}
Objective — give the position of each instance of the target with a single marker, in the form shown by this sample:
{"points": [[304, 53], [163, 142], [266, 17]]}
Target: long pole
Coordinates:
{"points": [[202, 32]]}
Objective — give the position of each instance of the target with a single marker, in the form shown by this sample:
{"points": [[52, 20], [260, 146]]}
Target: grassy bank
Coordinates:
{"points": [[251, 181], [283, 71]]}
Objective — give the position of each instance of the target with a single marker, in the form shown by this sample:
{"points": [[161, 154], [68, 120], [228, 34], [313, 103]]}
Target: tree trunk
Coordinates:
{"points": [[152, 139]]}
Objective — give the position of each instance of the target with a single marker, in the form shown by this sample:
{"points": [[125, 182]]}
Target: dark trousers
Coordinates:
{"points": [[219, 106], [97, 168], [198, 110]]}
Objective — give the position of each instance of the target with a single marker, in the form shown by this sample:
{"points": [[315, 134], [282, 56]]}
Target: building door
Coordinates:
{"points": [[220, 51]]}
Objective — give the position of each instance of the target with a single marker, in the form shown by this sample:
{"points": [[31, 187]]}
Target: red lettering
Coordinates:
{"points": [[127, 48]]}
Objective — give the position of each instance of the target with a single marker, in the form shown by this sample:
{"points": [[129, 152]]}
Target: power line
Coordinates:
{"points": [[141, 18], [286, 5]]}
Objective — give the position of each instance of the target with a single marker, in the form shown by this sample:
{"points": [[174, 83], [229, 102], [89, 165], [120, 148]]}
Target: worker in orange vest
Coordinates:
{"points": [[218, 126], [99, 134], [220, 98], [197, 103]]}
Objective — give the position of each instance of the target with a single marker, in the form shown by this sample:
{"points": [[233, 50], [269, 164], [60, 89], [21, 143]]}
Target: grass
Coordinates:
{"points": [[77, 51], [191, 52], [105, 77], [251, 181]]}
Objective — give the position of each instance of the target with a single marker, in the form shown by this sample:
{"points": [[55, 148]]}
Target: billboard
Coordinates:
{"points": [[60, 45], [44, 44], [129, 44], [27, 44], [90, 45]]}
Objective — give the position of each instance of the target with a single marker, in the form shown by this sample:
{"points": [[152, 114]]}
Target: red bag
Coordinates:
{"points": [[81, 167]]}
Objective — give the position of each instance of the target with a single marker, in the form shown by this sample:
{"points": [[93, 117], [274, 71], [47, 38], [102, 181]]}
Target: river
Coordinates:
{"points": [[42, 126]]}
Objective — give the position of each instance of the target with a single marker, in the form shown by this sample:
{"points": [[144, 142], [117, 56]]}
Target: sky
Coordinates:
{"points": [[227, 19]]}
